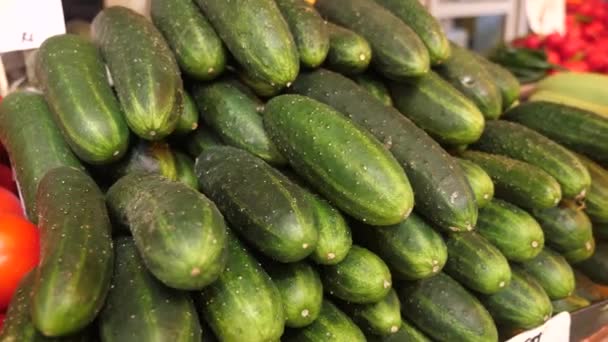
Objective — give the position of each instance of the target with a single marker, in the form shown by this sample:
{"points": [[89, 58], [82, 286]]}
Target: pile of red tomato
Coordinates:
{"points": [[19, 241], [584, 46]]}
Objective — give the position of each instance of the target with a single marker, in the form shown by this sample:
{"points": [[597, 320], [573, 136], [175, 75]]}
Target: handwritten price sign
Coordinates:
{"points": [[557, 329]]}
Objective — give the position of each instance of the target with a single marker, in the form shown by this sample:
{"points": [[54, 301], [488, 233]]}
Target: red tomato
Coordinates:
{"points": [[533, 41], [19, 253], [9, 203], [594, 30], [554, 40], [553, 57], [6, 178], [576, 66], [597, 61], [571, 47]]}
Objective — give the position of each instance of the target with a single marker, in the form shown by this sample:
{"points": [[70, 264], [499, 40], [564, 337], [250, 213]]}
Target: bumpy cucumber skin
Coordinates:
{"points": [[382, 318], [596, 202], [373, 84], [332, 324], [185, 170], [480, 182], [552, 272], [335, 237], [147, 157], [349, 53], [506, 82], [596, 267], [188, 120]]}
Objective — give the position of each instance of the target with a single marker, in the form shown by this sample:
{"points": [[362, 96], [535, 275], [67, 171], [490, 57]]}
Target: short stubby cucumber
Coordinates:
{"points": [[349, 53], [552, 272], [185, 170], [382, 318], [479, 180], [332, 323], [335, 237], [188, 120]]}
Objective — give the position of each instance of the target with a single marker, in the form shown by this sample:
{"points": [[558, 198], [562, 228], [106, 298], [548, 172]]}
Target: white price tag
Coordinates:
{"points": [[557, 329], [25, 24]]}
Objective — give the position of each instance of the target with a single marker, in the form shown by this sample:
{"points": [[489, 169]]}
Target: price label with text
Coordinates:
{"points": [[557, 329]]}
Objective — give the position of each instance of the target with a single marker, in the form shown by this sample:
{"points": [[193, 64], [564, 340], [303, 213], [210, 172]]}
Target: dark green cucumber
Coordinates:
{"points": [[342, 161], [600, 230], [416, 16], [596, 267], [436, 106], [406, 332], [465, 73], [588, 289], [75, 268], [335, 238], [567, 228], [445, 311], [141, 308], [349, 53], [512, 230], [382, 318], [308, 29], [265, 207], [362, 277], [577, 129], [301, 291], [147, 157], [374, 86], [257, 36], [398, 52], [197, 48], [476, 263], [179, 232], [570, 304], [201, 139], [596, 202], [479, 180], [332, 325], [412, 249], [519, 142], [34, 143], [185, 170], [234, 116], [506, 82], [518, 182], [144, 71], [243, 304], [188, 120], [553, 273], [441, 190], [579, 254], [521, 305], [72, 74]]}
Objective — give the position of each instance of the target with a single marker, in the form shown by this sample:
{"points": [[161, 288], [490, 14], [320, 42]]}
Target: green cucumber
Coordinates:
{"points": [[197, 48], [465, 73], [512, 230], [437, 107], [235, 117], [34, 143], [519, 142], [362, 277], [405, 333], [147, 157], [412, 249], [201, 139], [416, 16], [265, 207], [518, 182], [480, 182], [374, 86], [73, 76], [570, 304], [476, 263], [577, 129], [185, 170], [301, 291], [178, 231], [506, 82], [553, 273], [335, 238], [445, 311], [596, 267], [75, 269], [243, 304], [521, 305], [144, 71], [596, 202], [398, 52], [349, 53], [188, 120], [141, 308], [308, 29], [441, 190], [257, 36], [579, 254], [332, 325], [344, 162], [382, 318]]}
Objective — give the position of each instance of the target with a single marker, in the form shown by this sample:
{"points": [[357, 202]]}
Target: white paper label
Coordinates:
{"points": [[546, 16], [25, 24], [557, 329]]}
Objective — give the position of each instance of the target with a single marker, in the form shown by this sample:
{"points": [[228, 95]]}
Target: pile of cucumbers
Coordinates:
{"points": [[274, 170]]}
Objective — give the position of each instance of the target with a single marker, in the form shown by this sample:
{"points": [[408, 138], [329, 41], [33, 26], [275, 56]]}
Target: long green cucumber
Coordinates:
{"points": [[406, 332], [75, 270], [519, 142], [146, 157], [178, 231], [570, 304], [201, 139], [265, 207], [243, 304], [34, 143], [349, 53], [72, 74], [596, 203], [188, 120], [145, 74], [141, 308], [398, 52], [197, 48], [518, 182], [437, 107], [506, 82], [234, 116], [382, 318], [441, 190], [185, 170], [344, 162], [373, 84], [445, 311], [479, 180], [596, 267], [476, 263], [362, 277], [332, 325], [412, 249], [553, 273], [512, 230], [335, 238]]}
